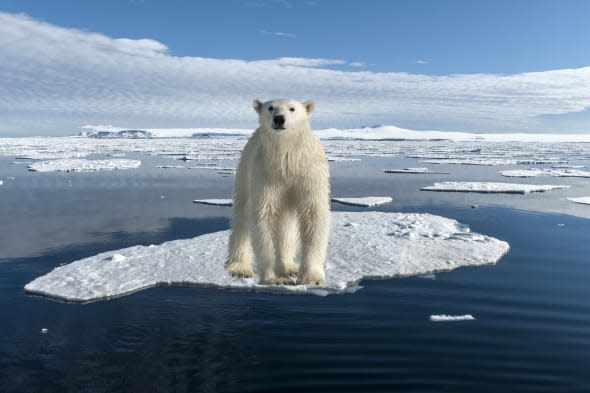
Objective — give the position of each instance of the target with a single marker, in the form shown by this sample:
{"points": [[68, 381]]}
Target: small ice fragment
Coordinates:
{"points": [[44, 331], [428, 276], [451, 318], [162, 197], [561, 225], [319, 292], [214, 202]]}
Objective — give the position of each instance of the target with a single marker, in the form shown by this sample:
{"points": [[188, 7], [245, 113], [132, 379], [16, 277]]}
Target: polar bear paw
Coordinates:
{"points": [[237, 270], [311, 278], [278, 281]]}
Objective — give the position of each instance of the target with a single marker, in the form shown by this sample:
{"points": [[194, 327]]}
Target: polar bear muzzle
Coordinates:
{"points": [[278, 122]]}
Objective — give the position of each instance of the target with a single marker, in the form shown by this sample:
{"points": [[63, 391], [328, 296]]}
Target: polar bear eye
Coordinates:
{"points": [[270, 108], [292, 109]]}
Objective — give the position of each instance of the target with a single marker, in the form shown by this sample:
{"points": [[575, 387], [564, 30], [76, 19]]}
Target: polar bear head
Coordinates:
{"points": [[282, 115]]}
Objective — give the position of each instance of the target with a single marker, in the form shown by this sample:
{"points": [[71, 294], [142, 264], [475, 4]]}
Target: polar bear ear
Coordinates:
{"points": [[309, 106], [257, 104]]}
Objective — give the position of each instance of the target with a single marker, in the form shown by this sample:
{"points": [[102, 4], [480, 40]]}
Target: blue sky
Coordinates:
{"points": [[416, 48]]}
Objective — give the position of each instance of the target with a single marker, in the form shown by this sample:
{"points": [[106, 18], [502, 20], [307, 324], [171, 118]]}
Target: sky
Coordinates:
{"points": [[476, 66]]}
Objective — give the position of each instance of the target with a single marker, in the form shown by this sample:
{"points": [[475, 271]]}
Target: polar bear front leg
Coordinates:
{"points": [[285, 242], [267, 221], [315, 229], [240, 255]]}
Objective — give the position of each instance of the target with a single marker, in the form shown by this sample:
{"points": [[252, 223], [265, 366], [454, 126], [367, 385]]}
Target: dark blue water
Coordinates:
{"points": [[532, 309]]}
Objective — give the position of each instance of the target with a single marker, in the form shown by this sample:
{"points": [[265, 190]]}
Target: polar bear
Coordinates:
{"points": [[281, 199]]}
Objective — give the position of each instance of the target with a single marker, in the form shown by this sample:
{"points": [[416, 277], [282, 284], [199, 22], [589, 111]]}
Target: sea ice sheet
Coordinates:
{"points": [[366, 245], [215, 202], [582, 200], [555, 172], [491, 187], [369, 201], [420, 170], [83, 165]]}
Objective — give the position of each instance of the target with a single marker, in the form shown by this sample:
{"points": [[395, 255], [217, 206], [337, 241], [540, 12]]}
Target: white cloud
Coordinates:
{"points": [[54, 79], [421, 61]]}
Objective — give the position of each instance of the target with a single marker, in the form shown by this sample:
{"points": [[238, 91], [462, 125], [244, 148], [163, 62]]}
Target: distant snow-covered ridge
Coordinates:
{"points": [[114, 132], [366, 133]]}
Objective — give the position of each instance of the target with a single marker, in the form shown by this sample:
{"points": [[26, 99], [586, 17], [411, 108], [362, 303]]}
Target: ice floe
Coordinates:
{"points": [[344, 159], [214, 202], [451, 318], [582, 200], [491, 187], [364, 201], [367, 245], [420, 170], [494, 161], [83, 165], [555, 172]]}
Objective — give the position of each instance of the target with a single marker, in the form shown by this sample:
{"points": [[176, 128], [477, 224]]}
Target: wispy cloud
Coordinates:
{"points": [[421, 61], [280, 34], [54, 79]]}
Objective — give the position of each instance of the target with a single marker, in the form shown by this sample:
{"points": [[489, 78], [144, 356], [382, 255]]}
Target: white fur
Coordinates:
{"points": [[281, 199]]}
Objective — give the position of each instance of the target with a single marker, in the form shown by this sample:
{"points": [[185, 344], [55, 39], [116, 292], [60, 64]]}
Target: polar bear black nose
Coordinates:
{"points": [[279, 120]]}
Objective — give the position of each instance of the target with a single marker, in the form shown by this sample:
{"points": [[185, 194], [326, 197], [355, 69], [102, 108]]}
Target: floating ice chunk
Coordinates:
{"points": [[420, 170], [170, 167], [365, 201], [565, 166], [583, 200], [522, 173], [491, 187], [374, 249], [560, 172], [83, 165], [451, 318], [343, 159], [216, 202], [1, 182], [495, 161], [44, 331]]}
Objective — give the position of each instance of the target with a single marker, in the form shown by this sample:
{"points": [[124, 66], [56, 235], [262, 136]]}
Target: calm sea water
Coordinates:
{"points": [[532, 309]]}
